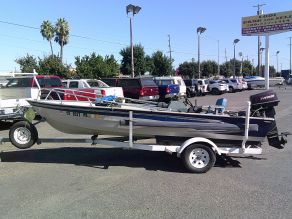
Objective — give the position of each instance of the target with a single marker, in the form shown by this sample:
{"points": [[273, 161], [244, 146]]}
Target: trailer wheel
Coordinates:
{"points": [[198, 158], [23, 134]]}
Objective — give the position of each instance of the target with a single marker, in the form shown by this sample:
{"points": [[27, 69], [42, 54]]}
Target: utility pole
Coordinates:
{"points": [[259, 12], [169, 47], [252, 66], [218, 71], [290, 54], [227, 67]]}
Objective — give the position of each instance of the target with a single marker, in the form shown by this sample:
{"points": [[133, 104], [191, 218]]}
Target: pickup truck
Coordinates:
{"points": [[89, 88], [167, 89], [19, 88]]}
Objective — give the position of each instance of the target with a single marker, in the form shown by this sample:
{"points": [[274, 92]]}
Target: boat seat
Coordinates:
{"points": [[220, 105]]}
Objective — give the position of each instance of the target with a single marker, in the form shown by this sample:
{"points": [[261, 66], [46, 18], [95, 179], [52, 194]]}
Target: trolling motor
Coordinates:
{"points": [[262, 105]]}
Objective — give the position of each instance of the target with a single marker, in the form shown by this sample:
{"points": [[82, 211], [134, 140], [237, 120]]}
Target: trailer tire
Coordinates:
{"points": [[198, 158], [23, 134]]}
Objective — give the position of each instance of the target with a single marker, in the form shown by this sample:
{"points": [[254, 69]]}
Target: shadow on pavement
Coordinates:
{"points": [[5, 125], [103, 158]]}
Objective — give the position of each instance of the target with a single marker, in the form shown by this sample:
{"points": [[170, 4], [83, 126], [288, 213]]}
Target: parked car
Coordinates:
{"points": [[289, 80], [19, 88], [167, 88], [233, 84], [93, 86], [3, 82], [218, 87], [254, 81], [192, 87], [29, 86], [244, 83], [182, 86], [202, 86], [143, 88], [274, 81]]}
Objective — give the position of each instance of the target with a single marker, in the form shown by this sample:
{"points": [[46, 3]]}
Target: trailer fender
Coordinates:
{"points": [[197, 140]]}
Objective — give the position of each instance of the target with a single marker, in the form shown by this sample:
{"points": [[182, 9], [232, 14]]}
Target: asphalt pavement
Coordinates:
{"points": [[84, 181]]}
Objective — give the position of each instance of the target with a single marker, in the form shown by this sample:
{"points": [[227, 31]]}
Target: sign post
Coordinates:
{"points": [[267, 24]]}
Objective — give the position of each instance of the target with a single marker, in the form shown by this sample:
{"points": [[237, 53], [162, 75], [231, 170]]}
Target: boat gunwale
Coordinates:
{"points": [[61, 103]]}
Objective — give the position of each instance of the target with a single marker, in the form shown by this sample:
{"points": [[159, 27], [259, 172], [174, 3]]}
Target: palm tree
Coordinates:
{"points": [[48, 32], [62, 34]]}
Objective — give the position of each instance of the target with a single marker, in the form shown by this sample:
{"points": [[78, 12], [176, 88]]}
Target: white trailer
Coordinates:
{"points": [[198, 153]]}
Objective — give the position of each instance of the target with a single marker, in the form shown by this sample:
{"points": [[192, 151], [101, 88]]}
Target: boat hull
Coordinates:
{"points": [[96, 120]]}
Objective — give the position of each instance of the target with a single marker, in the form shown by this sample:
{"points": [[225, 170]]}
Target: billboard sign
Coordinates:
{"points": [[267, 24]]}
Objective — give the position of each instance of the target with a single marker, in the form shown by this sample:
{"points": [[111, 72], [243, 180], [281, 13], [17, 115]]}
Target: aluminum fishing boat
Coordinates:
{"points": [[175, 122]]}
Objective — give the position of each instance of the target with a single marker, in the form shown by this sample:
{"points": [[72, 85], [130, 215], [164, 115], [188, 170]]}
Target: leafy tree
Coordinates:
{"points": [[112, 66], [53, 65], [28, 63], [226, 68], [139, 60], [149, 65], [62, 34], [162, 64], [48, 32], [95, 66], [209, 68], [189, 69]]}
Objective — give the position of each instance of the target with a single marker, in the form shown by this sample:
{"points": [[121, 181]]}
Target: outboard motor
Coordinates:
{"points": [[262, 105]]}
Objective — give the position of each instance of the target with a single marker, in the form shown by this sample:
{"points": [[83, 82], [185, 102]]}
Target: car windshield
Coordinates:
{"points": [[164, 82], [95, 83], [188, 83], [49, 82], [147, 82], [19, 82]]}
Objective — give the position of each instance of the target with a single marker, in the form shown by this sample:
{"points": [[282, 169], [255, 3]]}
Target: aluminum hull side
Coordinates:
{"points": [[108, 121]]}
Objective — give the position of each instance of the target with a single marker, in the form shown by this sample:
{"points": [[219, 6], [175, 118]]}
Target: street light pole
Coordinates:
{"points": [[200, 30], [277, 60], [241, 55], [234, 43], [260, 66], [134, 9]]}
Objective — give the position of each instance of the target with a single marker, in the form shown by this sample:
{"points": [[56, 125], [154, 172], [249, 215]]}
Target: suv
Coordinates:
{"points": [[143, 88], [203, 85], [217, 87], [182, 86], [233, 84], [192, 87]]}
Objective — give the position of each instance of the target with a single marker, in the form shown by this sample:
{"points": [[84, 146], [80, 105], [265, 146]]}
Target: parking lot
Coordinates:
{"points": [[84, 181]]}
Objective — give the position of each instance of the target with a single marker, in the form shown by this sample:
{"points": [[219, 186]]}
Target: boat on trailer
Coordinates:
{"points": [[199, 133]]}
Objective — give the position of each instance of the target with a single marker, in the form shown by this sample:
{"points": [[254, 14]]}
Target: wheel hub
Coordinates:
{"points": [[22, 135], [199, 158]]}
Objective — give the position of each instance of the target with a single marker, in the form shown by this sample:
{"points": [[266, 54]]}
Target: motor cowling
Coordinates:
{"points": [[262, 105]]}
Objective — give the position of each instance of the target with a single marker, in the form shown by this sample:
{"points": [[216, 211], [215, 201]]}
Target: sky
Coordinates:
{"points": [[104, 27]]}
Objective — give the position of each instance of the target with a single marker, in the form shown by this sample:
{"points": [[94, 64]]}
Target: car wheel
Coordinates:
{"points": [[215, 91], [231, 90]]}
